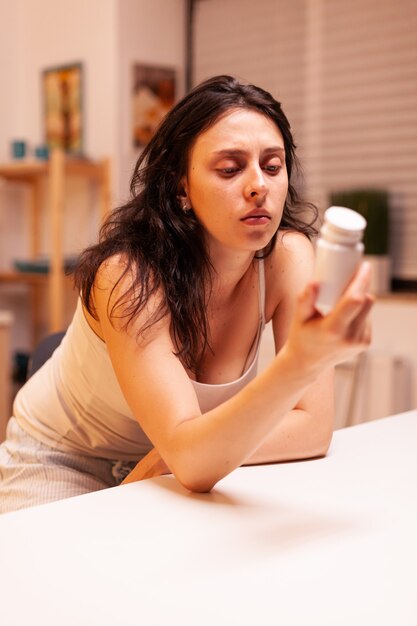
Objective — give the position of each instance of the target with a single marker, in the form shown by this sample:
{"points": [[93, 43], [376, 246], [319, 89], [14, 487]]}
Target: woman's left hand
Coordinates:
{"points": [[150, 466]]}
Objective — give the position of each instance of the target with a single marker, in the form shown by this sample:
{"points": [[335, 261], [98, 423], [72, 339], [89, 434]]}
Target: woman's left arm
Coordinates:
{"points": [[306, 431], [303, 433]]}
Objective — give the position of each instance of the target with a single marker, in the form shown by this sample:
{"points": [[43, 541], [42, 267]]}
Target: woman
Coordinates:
{"points": [[159, 363]]}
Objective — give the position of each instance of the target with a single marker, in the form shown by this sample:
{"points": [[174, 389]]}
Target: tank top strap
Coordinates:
{"points": [[262, 291], [261, 309]]}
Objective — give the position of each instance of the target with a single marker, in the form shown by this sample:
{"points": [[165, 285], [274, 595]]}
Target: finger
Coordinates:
{"points": [[360, 329], [142, 468], [361, 281], [344, 314], [367, 335], [306, 302], [351, 303]]}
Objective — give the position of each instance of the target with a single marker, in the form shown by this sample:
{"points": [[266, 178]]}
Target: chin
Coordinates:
{"points": [[258, 240]]}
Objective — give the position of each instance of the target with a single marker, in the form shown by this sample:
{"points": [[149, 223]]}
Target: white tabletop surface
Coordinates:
{"points": [[330, 542]]}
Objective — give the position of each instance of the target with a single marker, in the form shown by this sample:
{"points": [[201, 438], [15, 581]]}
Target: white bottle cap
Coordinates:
{"points": [[343, 224], [342, 217]]}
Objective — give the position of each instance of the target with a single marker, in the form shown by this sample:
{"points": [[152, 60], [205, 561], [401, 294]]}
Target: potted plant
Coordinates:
{"points": [[373, 204]]}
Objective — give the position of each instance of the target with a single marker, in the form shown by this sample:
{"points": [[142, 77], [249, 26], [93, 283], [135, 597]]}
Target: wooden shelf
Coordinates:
{"points": [[54, 172], [31, 278], [23, 170], [29, 170]]}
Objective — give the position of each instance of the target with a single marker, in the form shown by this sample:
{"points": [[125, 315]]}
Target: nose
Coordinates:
{"points": [[256, 186]]}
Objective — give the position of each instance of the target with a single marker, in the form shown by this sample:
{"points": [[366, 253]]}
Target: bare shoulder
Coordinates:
{"points": [[288, 269], [106, 280], [110, 281], [293, 247], [119, 296], [112, 271]]}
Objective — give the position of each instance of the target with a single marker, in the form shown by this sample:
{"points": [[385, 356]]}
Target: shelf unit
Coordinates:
{"points": [[55, 172]]}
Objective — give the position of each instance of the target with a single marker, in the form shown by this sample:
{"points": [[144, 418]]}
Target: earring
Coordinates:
{"points": [[185, 205]]}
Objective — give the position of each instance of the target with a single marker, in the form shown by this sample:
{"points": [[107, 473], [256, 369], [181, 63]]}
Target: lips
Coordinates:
{"points": [[256, 217]]}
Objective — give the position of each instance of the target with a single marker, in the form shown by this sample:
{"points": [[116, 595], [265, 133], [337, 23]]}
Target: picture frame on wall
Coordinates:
{"points": [[153, 95], [63, 116]]}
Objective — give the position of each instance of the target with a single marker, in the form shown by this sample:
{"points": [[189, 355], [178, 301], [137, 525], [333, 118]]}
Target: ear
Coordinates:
{"points": [[182, 189]]}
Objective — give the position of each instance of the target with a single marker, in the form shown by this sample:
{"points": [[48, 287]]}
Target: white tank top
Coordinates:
{"points": [[210, 396], [74, 401]]}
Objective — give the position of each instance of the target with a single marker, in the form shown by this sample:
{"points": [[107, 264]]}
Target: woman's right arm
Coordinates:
{"points": [[200, 449]]}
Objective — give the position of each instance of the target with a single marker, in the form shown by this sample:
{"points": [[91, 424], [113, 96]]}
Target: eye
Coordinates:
{"points": [[273, 168], [228, 171]]}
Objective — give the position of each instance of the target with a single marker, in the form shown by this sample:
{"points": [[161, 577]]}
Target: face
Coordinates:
{"points": [[237, 181]]}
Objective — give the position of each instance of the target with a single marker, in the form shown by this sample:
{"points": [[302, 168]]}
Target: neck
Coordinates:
{"points": [[228, 271]]}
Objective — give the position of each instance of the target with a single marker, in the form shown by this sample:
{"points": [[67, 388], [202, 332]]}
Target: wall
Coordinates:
{"points": [[106, 36], [150, 32], [267, 45], [12, 49], [42, 33]]}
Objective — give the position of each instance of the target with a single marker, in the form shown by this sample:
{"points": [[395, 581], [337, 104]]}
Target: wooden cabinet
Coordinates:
{"points": [[53, 174]]}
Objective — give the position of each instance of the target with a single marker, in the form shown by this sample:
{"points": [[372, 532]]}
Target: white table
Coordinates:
{"points": [[324, 542]]}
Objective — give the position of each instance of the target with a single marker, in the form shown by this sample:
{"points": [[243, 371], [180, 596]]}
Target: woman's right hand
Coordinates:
{"points": [[319, 341], [151, 466]]}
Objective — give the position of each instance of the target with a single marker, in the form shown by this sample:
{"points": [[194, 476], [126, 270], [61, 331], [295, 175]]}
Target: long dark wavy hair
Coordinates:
{"points": [[165, 247]]}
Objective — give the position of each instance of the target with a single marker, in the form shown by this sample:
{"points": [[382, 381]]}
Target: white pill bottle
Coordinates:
{"points": [[339, 250]]}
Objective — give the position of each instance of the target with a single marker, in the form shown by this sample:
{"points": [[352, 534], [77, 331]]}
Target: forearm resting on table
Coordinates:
{"points": [[203, 449], [296, 437], [206, 448], [280, 416]]}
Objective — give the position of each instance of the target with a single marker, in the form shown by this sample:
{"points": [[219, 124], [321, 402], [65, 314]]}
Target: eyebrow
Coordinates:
{"points": [[239, 152]]}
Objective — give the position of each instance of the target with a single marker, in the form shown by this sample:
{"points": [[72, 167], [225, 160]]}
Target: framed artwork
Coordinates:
{"points": [[62, 95], [153, 95]]}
